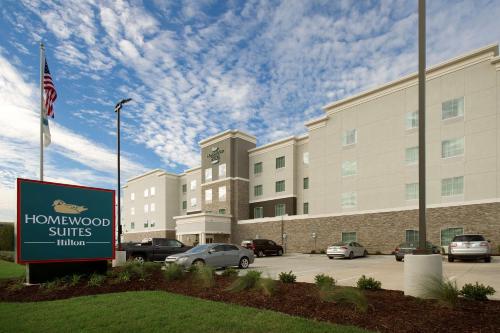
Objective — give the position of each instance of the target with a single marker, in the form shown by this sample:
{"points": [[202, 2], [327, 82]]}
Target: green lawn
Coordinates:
{"points": [[11, 270], [150, 311]]}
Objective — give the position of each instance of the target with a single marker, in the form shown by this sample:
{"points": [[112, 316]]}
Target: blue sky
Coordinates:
{"points": [[196, 68]]}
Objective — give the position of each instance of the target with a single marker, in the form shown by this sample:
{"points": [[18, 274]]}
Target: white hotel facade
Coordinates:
{"points": [[352, 175]]}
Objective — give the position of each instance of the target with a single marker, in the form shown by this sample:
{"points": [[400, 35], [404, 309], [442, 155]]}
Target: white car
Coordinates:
{"points": [[469, 247], [346, 250]]}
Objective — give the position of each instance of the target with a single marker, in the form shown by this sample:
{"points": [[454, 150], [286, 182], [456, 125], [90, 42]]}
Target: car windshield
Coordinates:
{"points": [[414, 245], [340, 244], [468, 238], [198, 249]]}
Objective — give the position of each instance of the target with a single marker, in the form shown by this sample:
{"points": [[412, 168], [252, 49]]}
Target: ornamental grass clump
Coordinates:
{"points": [[74, 280], [245, 282], [323, 281], [96, 280], [173, 272], [204, 276], [16, 285], [267, 286], [444, 291], [369, 283], [287, 277], [478, 292], [346, 295], [230, 272]]}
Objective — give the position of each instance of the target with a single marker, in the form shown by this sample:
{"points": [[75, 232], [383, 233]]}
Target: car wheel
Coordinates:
{"points": [[244, 263], [330, 257], [365, 253], [487, 259], [260, 254], [280, 253], [139, 258], [198, 263], [399, 259], [451, 259], [351, 255]]}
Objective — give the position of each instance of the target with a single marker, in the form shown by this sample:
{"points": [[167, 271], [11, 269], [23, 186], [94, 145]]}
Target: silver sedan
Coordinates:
{"points": [[215, 255], [346, 250]]}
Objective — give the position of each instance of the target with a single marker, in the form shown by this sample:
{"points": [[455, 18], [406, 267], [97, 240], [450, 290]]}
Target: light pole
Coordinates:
{"points": [[422, 230], [118, 108]]}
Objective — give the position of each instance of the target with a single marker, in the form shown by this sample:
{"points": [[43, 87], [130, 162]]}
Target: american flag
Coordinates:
{"points": [[49, 91]]}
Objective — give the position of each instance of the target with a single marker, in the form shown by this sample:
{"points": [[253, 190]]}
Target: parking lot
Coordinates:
{"points": [[381, 267]]}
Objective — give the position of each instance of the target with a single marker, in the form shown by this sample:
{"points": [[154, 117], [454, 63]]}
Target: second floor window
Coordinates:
{"points": [[349, 200], [451, 148], [452, 186], [279, 209], [411, 191], [257, 190], [258, 212], [132, 225], [306, 208], [184, 205], [257, 168], [411, 155], [280, 186], [280, 162]]}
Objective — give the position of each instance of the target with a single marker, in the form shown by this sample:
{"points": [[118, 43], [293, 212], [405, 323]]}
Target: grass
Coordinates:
{"points": [[444, 291], [10, 270], [151, 311], [346, 295]]}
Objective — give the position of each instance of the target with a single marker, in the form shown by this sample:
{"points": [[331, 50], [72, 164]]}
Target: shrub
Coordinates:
{"points": [[48, 286], [245, 282], [7, 256], [173, 272], [477, 291], [96, 280], [122, 277], [313, 251], [74, 279], [6, 236], [204, 276], [444, 291], [192, 268], [151, 267], [16, 285], [346, 295], [369, 283], [378, 252], [324, 281], [230, 272], [322, 251], [267, 286], [141, 271], [287, 277]]}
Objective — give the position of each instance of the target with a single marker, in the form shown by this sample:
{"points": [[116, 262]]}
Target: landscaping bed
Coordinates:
{"points": [[388, 311]]}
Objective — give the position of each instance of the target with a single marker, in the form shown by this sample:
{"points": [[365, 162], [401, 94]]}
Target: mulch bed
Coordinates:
{"points": [[389, 310]]}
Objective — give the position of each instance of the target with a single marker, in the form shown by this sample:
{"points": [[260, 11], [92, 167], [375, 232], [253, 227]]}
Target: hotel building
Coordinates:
{"points": [[352, 176]]}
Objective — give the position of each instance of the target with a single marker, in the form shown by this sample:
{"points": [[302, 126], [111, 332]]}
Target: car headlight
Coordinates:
{"points": [[182, 259]]}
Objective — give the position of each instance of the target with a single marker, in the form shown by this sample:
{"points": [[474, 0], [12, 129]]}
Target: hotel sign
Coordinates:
{"points": [[59, 222], [214, 155]]}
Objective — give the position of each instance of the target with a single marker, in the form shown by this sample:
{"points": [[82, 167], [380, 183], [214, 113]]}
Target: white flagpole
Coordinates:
{"points": [[42, 67]]}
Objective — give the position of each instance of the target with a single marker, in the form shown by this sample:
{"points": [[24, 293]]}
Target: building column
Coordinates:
{"points": [[202, 238]]}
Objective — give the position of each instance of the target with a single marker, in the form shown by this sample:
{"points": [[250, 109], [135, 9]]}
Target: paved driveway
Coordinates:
{"points": [[382, 267]]}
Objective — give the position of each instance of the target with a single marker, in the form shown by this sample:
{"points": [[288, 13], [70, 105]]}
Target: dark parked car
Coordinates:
{"points": [[263, 247], [154, 249], [411, 247]]}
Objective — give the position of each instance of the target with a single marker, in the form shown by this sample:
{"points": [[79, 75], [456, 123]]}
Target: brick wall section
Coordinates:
{"points": [[378, 231], [139, 236]]}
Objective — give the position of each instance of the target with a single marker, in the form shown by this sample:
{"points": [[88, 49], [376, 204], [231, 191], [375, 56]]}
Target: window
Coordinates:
{"points": [[146, 223], [222, 211], [222, 193], [451, 148], [258, 212], [152, 207], [305, 157], [193, 185], [452, 186], [257, 190], [257, 168], [411, 191], [193, 202], [208, 174], [452, 108], [411, 155], [349, 168], [146, 208], [152, 191], [132, 211], [349, 137], [411, 236], [208, 196], [132, 225], [279, 209], [306, 183], [152, 224], [280, 162], [448, 234], [412, 120], [280, 186], [184, 205], [184, 188], [306, 208], [146, 192], [349, 200], [348, 237], [222, 170], [132, 196]]}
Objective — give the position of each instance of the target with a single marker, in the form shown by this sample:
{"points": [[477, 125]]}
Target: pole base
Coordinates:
{"points": [[120, 259], [418, 270]]}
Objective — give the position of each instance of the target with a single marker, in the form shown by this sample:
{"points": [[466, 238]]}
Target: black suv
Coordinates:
{"points": [[263, 247]]}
